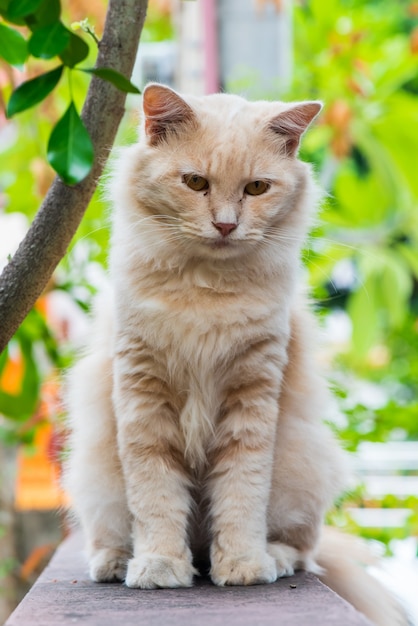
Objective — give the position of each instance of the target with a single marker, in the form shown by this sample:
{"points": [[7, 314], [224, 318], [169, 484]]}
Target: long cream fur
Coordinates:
{"points": [[197, 410]]}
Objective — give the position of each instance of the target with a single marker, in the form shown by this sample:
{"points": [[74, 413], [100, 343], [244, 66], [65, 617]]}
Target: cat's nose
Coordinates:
{"points": [[225, 228]]}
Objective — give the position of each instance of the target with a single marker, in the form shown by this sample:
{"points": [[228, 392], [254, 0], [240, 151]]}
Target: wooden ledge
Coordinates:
{"points": [[63, 595]]}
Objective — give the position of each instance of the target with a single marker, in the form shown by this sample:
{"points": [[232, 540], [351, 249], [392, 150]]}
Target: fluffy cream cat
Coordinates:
{"points": [[196, 413]]}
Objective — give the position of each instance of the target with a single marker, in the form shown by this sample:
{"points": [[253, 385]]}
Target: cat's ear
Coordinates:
{"points": [[165, 112], [292, 123]]}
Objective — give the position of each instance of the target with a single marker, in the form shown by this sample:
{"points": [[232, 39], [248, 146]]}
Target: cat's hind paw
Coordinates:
{"points": [[287, 558], [108, 566], [245, 570], [153, 571]]}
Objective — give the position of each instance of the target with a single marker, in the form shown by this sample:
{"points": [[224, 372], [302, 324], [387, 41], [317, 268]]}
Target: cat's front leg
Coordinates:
{"points": [[240, 485], [157, 481]]}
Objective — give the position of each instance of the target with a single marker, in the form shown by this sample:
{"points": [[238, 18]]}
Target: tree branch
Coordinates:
{"points": [[50, 234]]}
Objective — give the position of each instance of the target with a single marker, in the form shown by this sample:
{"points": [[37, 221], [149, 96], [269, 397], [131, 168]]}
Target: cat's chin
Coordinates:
{"points": [[222, 249]]}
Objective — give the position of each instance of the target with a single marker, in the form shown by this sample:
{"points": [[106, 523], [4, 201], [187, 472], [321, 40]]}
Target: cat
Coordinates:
{"points": [[196, 412]]}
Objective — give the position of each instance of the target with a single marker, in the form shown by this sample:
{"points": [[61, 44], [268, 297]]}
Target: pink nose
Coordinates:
{"points": [[224, 229]]}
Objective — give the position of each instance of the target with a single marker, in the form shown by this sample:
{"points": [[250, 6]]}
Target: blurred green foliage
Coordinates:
{"points": [[361, 58]]}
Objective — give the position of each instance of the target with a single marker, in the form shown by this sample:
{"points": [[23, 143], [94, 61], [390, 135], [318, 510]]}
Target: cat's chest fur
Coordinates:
{"points": [[204, 324], [196, 333]]}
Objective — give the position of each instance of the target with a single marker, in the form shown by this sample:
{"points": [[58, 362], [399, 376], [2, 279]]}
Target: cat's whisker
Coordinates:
{"points": [[272, 232], [157, 217], [159, 230], [282, 237], [86, 236], [327, 277], [267, 239], [146, 227], [165, 241]]}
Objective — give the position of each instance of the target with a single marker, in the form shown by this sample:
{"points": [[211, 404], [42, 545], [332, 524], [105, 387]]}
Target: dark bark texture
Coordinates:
{"points": [[50, 234]]}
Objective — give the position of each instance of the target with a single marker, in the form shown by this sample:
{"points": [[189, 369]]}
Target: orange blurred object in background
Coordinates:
{"points": [[38, 474]]}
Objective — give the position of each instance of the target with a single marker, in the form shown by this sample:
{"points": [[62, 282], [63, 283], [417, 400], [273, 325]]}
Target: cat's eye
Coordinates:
{"points": [[195, 182], [256, 187]]}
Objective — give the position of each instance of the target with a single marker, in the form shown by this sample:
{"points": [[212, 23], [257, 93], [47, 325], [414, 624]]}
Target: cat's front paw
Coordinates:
{"points": [[243, 570], [152, 571], [108, 566]]}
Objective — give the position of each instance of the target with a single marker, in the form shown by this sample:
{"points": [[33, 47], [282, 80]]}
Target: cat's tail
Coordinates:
{"points": [[344, 560]]}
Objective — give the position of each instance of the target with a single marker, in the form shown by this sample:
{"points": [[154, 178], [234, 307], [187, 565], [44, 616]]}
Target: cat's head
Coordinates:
{"points": [[218, 176]]}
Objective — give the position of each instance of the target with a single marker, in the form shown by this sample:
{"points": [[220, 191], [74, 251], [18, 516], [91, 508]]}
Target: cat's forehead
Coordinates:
{"points": [[231, 111], [231, 135]]}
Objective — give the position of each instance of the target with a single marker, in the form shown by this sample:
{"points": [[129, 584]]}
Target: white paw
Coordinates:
{"points": [[251, 569], [108, 566], [151, 571], [287, 558]]}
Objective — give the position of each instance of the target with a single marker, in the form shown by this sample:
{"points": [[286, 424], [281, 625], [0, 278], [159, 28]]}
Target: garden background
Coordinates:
{"points": [[361, 58]]}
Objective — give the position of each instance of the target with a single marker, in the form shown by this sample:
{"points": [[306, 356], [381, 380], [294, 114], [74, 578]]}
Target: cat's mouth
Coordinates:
{"points": [[223, 247], [221, 243]]}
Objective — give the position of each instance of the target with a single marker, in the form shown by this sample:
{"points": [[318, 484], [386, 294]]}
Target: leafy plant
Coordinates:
{"points": [[359, 58], [70, 150]]}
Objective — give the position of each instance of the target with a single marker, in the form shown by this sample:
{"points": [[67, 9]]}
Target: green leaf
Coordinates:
{"points": [[75, 52], [22, 8], [114, 77], [364, 314], [396, 287], [410, 254], [3, 7], [13, 47], [33, 91], [48, 13], [3, 358], [21, 405], [48, 41], [70, 151], [31, 377]]}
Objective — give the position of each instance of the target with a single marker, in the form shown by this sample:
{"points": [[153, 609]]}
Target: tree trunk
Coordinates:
{"points": [[50, 234]]}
